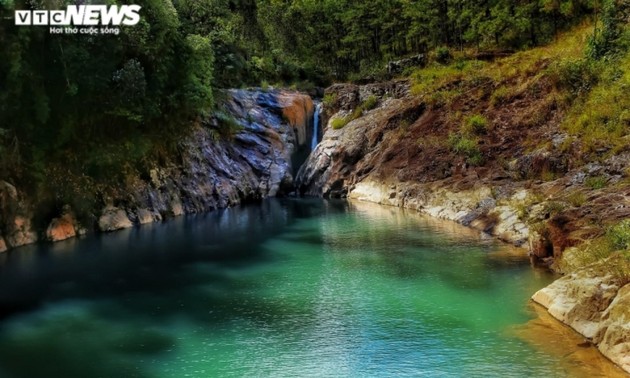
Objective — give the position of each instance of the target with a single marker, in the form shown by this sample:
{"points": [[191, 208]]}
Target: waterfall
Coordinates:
{"points": [[314, 140]]}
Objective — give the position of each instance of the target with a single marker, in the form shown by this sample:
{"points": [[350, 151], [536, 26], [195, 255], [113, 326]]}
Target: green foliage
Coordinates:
{"points": [[605, 39], [339, 123], [596, 182], [600, 116], [577, 75], [466, 146], [329, 99], [610, 253], [619, 235], [443, 55], [227, 126], [576, 199], [554, 207], [500, 96], [475, 125], [599, 254], [370, 103]]}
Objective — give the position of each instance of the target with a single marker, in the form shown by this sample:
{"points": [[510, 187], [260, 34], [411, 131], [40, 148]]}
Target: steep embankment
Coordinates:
{"points": [[211, 172], [504, 164]]}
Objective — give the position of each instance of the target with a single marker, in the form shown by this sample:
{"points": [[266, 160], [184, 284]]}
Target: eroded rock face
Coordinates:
{"points": [[594, 305], [113, 219], [15, 219], [62, 228], [211, 172], [218, 173]]}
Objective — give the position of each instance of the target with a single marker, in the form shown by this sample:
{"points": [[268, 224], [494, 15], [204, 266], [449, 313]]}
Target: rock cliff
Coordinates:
{"points": [[211, 171]]}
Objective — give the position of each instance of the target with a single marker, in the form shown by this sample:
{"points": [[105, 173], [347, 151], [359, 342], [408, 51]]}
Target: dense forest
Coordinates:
{"points": [[101, 105]]}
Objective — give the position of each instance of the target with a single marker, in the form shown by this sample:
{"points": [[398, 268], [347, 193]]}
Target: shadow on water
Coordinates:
{"points": [[153, 258], [142, 278]]}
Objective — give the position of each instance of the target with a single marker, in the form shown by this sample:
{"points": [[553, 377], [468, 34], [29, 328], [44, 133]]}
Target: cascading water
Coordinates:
{"points": [[314, 140]]}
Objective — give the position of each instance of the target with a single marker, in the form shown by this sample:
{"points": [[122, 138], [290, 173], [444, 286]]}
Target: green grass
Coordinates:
{"points": [[370, 103], [475, 125], [329, 99], [339, 123], [619, 235], [576, 199], [501, 95], [554, 207], [610, 254], [596, 182], [466, 146]]}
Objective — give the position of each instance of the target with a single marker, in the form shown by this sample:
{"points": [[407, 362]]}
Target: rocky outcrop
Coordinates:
{"points": [[15, 221], [593, 304], [63, 227], [476, 207], [113, 219], [215, 169]]}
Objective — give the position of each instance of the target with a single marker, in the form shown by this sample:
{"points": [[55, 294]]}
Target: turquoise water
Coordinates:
{"points": [[285, 288]]}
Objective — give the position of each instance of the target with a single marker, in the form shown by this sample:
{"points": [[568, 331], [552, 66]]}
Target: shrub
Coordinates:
{"points": [[370, 103], [475, 125], [577, 75], [554, 207], [356, 113], [619, 235], [466, 146], [228, 127], [339, 123], [598, 254], [264, 85], [329, 99], [596, 182], [576, 199], [500, 96], [443, 55]]}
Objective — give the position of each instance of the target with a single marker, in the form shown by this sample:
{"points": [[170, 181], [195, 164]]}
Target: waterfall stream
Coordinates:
{"points": [[314, 140]]}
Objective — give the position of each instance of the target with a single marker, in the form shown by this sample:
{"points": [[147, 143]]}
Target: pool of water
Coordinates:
{"points": [[285, 288]]}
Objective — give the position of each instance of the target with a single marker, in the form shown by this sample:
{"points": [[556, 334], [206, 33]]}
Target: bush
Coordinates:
{"points": [[370, 103], [475, 125], [443, 55], [619, 235], [466, 146], [329, 99], [500, 96], [596, 182], [554, 207], [577, 75], [339, 123], [228, 127], [576, 199]]}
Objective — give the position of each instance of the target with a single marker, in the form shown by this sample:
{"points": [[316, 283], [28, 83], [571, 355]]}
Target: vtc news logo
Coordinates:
{"points": [[80, 15]]}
